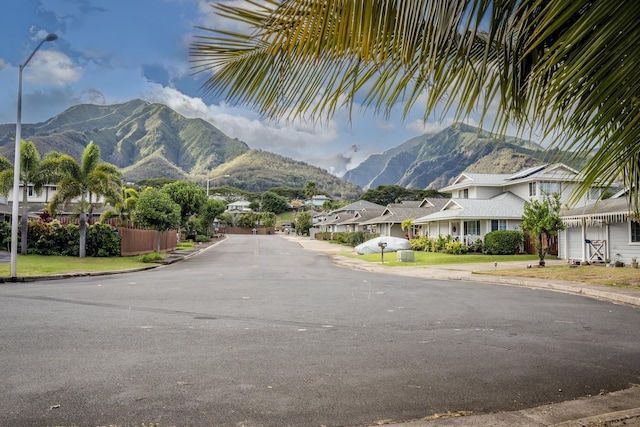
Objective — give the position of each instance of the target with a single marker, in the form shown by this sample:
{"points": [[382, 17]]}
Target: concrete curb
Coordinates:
{"points": [[173, 257]]}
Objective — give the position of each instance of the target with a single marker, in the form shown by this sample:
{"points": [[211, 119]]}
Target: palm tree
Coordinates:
{"points": [[34, 173], [85, 180], [121, 207], [565, 69]]}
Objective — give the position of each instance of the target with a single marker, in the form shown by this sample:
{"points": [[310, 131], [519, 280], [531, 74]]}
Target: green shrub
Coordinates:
{"points": [[420, 244], [103, 240], [151, 257], [476, 246], [502, 242], [323, 235], [53, 238], [455, 248]]}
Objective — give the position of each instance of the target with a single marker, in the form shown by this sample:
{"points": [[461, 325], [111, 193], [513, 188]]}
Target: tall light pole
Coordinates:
{"points": [[211, 179], [16, 163]]}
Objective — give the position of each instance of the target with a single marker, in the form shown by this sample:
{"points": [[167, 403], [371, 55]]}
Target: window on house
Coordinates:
{"points": [[635, 232], [550, 188], [498, 224], [472, 228], [594, 193], [30, 190], [532, 189]]}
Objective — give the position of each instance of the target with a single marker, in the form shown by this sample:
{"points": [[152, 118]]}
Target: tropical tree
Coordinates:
{"points": [[303, 223], [122, 207], [310, 189], [269, 219], [188, 196], [155, 209], [211, 209], [272, 202], [33, 175], [566, 70], [407, 225], [83, 184], [541, 220]]}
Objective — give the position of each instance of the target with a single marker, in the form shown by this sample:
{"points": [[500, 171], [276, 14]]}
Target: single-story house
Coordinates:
{"points": [[389, 223], [603, 230]]}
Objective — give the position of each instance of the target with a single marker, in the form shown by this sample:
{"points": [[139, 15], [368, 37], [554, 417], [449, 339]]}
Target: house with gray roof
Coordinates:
{"points": [[599, 231], [389, 223], [342, 219], [482, 203]]}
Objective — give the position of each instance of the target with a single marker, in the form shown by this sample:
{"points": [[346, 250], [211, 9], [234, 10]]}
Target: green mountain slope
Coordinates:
{"points": [[431, 160], [149, 141], [258, 170]]}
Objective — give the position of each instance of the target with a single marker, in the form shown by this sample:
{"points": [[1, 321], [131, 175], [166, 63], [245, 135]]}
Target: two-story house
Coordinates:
{"points": [[482, 203]]}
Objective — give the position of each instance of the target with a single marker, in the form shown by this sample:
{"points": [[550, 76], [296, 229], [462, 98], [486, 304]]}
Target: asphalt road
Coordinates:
{"points": [[258, 332]]}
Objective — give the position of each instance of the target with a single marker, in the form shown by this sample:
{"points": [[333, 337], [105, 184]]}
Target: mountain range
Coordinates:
{"points": [[432, 160], [147, 141]]}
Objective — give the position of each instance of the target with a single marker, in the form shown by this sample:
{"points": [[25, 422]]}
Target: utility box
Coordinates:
{"points": [[405, 256]]}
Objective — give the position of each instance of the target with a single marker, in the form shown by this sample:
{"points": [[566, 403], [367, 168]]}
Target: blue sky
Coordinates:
{"points": [[114, 51]]}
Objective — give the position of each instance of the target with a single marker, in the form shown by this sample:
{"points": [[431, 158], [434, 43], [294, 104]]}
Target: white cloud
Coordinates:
{"points": [[52, 68]]}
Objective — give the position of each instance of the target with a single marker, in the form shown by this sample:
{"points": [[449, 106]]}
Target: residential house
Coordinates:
{"points": [[316, 202], [482, 203], [599, 231], [341, 219], [241, 206], [389, 223], [38, 204]]}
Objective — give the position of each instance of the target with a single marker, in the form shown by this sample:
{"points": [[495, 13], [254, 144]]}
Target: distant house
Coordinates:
{"points": [[317, 201], [482, 203], [241, 206], [600, 231], [389, 222], [38, 204], [341, 219]]}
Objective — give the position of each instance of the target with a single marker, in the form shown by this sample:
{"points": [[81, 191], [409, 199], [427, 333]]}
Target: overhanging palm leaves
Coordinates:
{"points": [[565, 68]]}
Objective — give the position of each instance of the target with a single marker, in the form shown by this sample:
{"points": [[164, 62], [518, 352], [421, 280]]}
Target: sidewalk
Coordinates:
{"points": [[617, 409]]}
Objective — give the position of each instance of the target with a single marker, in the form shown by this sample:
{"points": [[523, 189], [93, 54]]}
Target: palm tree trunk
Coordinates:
{"points": [[24, 221], [83, 235]]}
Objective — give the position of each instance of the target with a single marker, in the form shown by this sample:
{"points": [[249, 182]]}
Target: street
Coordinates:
{"points": [[256, 331]]}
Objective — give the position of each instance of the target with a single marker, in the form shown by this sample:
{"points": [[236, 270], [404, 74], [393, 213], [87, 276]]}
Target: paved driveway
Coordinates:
{"points": [[257, 331]]}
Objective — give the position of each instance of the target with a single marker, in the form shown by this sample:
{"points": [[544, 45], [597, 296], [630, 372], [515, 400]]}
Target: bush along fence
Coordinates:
{"points": [[500, 242], [103, 240]]}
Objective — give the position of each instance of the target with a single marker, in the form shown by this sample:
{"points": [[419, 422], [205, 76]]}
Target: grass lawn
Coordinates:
{"points": [[438, 258], [624, 277], [597, 274], [39, 265]]}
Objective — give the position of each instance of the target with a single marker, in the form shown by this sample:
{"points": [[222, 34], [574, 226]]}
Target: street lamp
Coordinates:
{"points": [[211, 179], [16, 163]]}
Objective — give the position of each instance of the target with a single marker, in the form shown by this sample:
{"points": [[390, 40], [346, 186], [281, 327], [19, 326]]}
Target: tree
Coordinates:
{"points": [[310, 189], [272, 202], [121, 207], [85, 180], [188, 196], [269, 219], [30, 175], [155, 209], [303, 222], [564, 69], [407, 225], [541, 219], [211, 209]]}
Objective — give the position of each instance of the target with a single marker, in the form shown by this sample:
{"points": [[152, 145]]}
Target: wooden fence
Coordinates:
{"points": [[136, 241], [530, 248]]}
